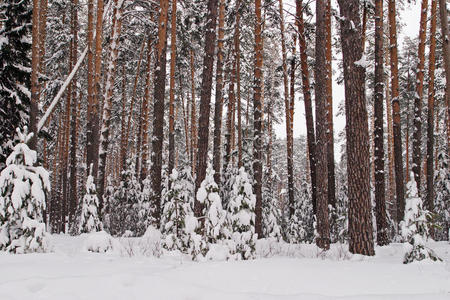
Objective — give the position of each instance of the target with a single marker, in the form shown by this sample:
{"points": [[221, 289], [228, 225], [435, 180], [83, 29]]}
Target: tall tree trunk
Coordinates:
{"points": [[358, 167], [429, 204], [310, 133], [446, 55], [218, 106], [124, 145], [378, 133], [397, 130], [330, 146], [34, 110], [193, 118], [257, 120], [287, 105], [230, 111], [417, 141], [158, 109], [107, 104], [320, 73], [73, 126], [173, 54], [238, 80], [205, 98], [91, 129], [145, 115]]}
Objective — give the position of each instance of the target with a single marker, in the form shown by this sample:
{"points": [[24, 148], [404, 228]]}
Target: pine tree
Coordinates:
{"points": [[23, 188], [89, 220], [15, 71], [271, 213], [213, 213], [241, 214], [442, 200], [178, 208], [415, 226]]}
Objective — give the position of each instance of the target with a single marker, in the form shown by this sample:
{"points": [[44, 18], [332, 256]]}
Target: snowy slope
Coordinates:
{"points": [[71, 273]]}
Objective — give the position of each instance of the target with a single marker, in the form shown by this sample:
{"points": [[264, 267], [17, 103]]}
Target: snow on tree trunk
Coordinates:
{"points": [[23, 188], [415, 226]]}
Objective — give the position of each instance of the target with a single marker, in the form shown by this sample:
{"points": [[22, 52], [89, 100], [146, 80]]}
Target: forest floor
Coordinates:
{"points": [[302, 272]]}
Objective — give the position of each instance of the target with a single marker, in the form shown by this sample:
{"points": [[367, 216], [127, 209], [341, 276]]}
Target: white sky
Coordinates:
{"points": [[410, 17]]}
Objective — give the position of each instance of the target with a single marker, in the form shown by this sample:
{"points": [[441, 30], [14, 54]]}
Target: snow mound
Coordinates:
{"points": [[101, 242], [151, 242]]}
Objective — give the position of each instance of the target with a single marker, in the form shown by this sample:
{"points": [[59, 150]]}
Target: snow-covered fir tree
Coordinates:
{"points": [[15, 71], [145, 208], [415, 226], [442, 198], [89, 219], [23, 188], [241, 213], [271, 212], [178, 207], [300, 226], [125, 203], [215, 227]]}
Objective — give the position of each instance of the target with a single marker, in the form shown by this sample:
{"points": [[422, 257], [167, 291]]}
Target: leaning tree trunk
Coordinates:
{"points": [[397, 130], [107, 104], [205, 98], [358, 165], [429, 203], [173, 50], [417, 136], [310, 135], [380, 184], [158, 110], [218, 107], [257, 120]]}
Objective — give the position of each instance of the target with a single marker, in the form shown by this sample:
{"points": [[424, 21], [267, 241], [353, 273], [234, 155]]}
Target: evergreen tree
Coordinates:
{"points": [[213, 212], [442, 198], [241, 212], [23, 188], [125, 203], [15, 71], [271, 212], [178, 207], [89, 220], [415, 226]]}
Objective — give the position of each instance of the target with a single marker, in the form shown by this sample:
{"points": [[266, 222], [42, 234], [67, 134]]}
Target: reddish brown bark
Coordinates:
{"points": [[173, 50]]}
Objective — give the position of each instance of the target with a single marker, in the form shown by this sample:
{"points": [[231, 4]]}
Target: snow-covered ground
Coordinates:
{"points": [[298, 272]]}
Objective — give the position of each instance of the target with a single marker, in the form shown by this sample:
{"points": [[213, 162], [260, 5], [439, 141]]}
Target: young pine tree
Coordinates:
{"points": [[89, 219], [177, 209], [415, 226], [23, 189], [213, 212]]}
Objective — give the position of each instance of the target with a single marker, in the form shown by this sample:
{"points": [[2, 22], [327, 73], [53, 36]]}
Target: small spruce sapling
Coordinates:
{"points": [[89, 220], [241, 211], [23, 188], [415, 227]]}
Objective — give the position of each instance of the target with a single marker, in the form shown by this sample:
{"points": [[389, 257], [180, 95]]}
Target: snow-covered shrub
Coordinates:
{"points": [[241, 211], [415, 227], [151, 242], [442, 198], [124, 203], [197, 246], [271, 216], [215, 227], [89, 220], [23, 189], [101, 242], [178, 204]]}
